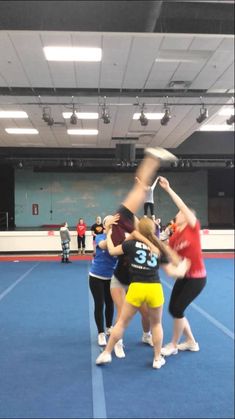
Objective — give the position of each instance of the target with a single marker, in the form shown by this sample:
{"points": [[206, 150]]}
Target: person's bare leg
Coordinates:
{"points": [[157, 330], [128, 311], [145, 319], [188, 332], [118, 296], [178, 328]]}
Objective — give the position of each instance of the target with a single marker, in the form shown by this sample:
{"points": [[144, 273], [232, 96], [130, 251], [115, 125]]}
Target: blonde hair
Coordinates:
{"points": [[147, 227], [108, 217]]}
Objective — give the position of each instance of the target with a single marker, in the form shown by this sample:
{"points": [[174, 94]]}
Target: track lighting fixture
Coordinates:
{"points": [[230, 120], [230, 164], [166, 117], [70, 163], [46, 116], [143, 119], [73, 117], [203, 115], [105, 116]]}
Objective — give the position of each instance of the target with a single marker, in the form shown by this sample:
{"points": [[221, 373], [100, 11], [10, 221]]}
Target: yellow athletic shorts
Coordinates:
{"points": [[139, 293]]}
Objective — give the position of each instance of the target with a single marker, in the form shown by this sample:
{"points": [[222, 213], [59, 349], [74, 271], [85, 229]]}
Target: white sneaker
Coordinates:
{"points": [[161, 154], [102, 339], [118, 349], [147, 338], [103, 358], [188, 346], [169, 350], [158, 363], [108, 330]]}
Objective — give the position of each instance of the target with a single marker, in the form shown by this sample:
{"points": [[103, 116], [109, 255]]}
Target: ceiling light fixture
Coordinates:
{"points": [[13, 114], [21, 131], [226, 112], [72, 54], [210, 127], [82, 131]]}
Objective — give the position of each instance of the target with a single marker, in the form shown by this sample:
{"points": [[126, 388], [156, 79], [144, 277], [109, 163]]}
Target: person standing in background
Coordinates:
{"points": [[65, 243], [81, 231], [96, 229], [149, 200]]}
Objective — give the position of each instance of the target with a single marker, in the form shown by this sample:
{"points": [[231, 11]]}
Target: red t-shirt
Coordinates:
{"points": [[187, 243], [81, 229]]}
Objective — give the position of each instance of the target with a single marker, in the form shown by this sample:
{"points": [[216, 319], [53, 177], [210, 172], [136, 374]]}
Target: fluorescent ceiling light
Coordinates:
{"points": [[72, 54], [81, 115], [82, 131], [21, 131], [13, 114], [209, 127], [149, 115], [188, 56], [226, 111]]}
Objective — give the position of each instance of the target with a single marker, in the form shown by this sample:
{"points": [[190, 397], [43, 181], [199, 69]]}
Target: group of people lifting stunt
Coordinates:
{"points": [[125, 269]]}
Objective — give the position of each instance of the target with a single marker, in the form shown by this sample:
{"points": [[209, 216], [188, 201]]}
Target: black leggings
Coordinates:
{"points": [[184, 292], [100, 289], [81, 242], [150, 206]]}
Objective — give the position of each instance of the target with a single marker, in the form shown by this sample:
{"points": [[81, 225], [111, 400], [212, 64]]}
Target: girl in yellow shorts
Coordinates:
{"points": [[145, 287]]}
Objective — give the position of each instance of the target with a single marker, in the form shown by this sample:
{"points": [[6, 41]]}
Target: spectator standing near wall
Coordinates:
{"points": [[65, 243], [96, 229], [81, 231]]}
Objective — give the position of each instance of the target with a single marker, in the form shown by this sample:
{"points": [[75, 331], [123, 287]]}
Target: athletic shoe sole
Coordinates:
{"points": [[161, 154]]}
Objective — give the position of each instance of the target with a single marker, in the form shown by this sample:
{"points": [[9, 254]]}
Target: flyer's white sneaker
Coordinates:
{"points": [[118, 349], [102, 339], [188, 346], [103, 358], [169, 350], [160, 153], [158, 363]]}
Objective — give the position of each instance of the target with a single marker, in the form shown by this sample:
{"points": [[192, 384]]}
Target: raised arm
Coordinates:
{"points": [[188, 213], [157, 246], [154, 183], [113, 250]]}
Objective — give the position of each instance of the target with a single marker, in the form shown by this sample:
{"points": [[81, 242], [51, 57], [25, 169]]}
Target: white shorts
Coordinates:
{"points": [[115, 283]]}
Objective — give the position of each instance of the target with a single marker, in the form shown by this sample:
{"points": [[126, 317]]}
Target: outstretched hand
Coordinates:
{"points": [[112, 220], [163, 182], [183, 267]]}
